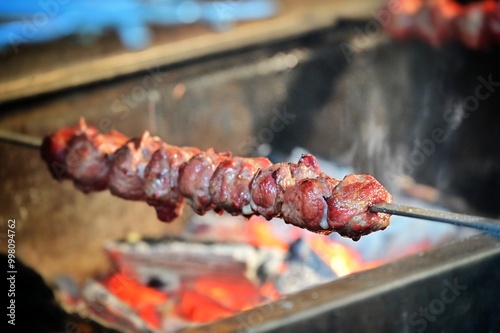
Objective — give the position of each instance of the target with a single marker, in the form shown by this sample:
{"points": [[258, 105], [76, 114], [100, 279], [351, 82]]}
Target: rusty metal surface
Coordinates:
{"points": [[450, 289]]}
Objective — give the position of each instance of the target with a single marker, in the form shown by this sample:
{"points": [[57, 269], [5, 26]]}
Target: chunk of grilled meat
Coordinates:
{"points": [[161, 180]]}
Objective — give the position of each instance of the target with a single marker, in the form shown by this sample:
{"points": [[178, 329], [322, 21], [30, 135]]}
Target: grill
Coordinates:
{"points": [[451, 289], [398, 110]]}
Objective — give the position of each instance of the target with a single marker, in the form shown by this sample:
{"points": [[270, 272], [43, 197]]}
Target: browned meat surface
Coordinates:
{"points": [[82, 154], [161, 179], [268, 187], [348, 206], [162, 175], [55, 148], [307, 167], [126, 178], [86, 164], [194, 178], [229, 186], [269, 184], [88, 160], [305, 205]]}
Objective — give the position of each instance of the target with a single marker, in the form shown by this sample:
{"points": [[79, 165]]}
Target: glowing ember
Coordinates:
{"points": [[269, 291], [144, 300], [217, 296], [234, 292], [199, 308], [204, 281]]}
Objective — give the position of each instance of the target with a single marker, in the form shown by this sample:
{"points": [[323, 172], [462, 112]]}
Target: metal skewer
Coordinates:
{"points": [[489, 225], [20, 139]]}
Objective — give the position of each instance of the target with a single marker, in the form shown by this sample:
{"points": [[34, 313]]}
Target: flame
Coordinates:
{"points": [[342, 259]]}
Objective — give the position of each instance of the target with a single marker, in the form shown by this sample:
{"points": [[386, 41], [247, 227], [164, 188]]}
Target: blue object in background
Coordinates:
{"points": [[37, 21]]}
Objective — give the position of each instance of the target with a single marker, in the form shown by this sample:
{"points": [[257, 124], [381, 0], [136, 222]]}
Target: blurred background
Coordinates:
{"points": [[405, 90]]}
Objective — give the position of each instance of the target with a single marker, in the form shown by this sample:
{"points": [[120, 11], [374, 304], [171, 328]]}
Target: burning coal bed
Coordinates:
{"points": [[222, 265]]}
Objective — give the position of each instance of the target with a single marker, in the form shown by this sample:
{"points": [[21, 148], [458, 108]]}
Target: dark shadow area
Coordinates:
{"points": [[36, 309]]}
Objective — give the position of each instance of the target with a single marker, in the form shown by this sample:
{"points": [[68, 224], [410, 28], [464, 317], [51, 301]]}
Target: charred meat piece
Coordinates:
{"points": [[161, 179], [82, 154], [268, 186], [305, 203], [55, 148], [194, 178], [307, 167], [88, 160], [126, 178], [349, 204], [229, 186]]}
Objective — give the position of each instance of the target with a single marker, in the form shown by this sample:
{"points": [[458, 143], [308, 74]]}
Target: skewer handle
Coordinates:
{"points": [[491, 226]]}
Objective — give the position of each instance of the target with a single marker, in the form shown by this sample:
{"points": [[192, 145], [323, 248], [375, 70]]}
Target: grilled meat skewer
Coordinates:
{"points": [[165, 176], [476, 24]]}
